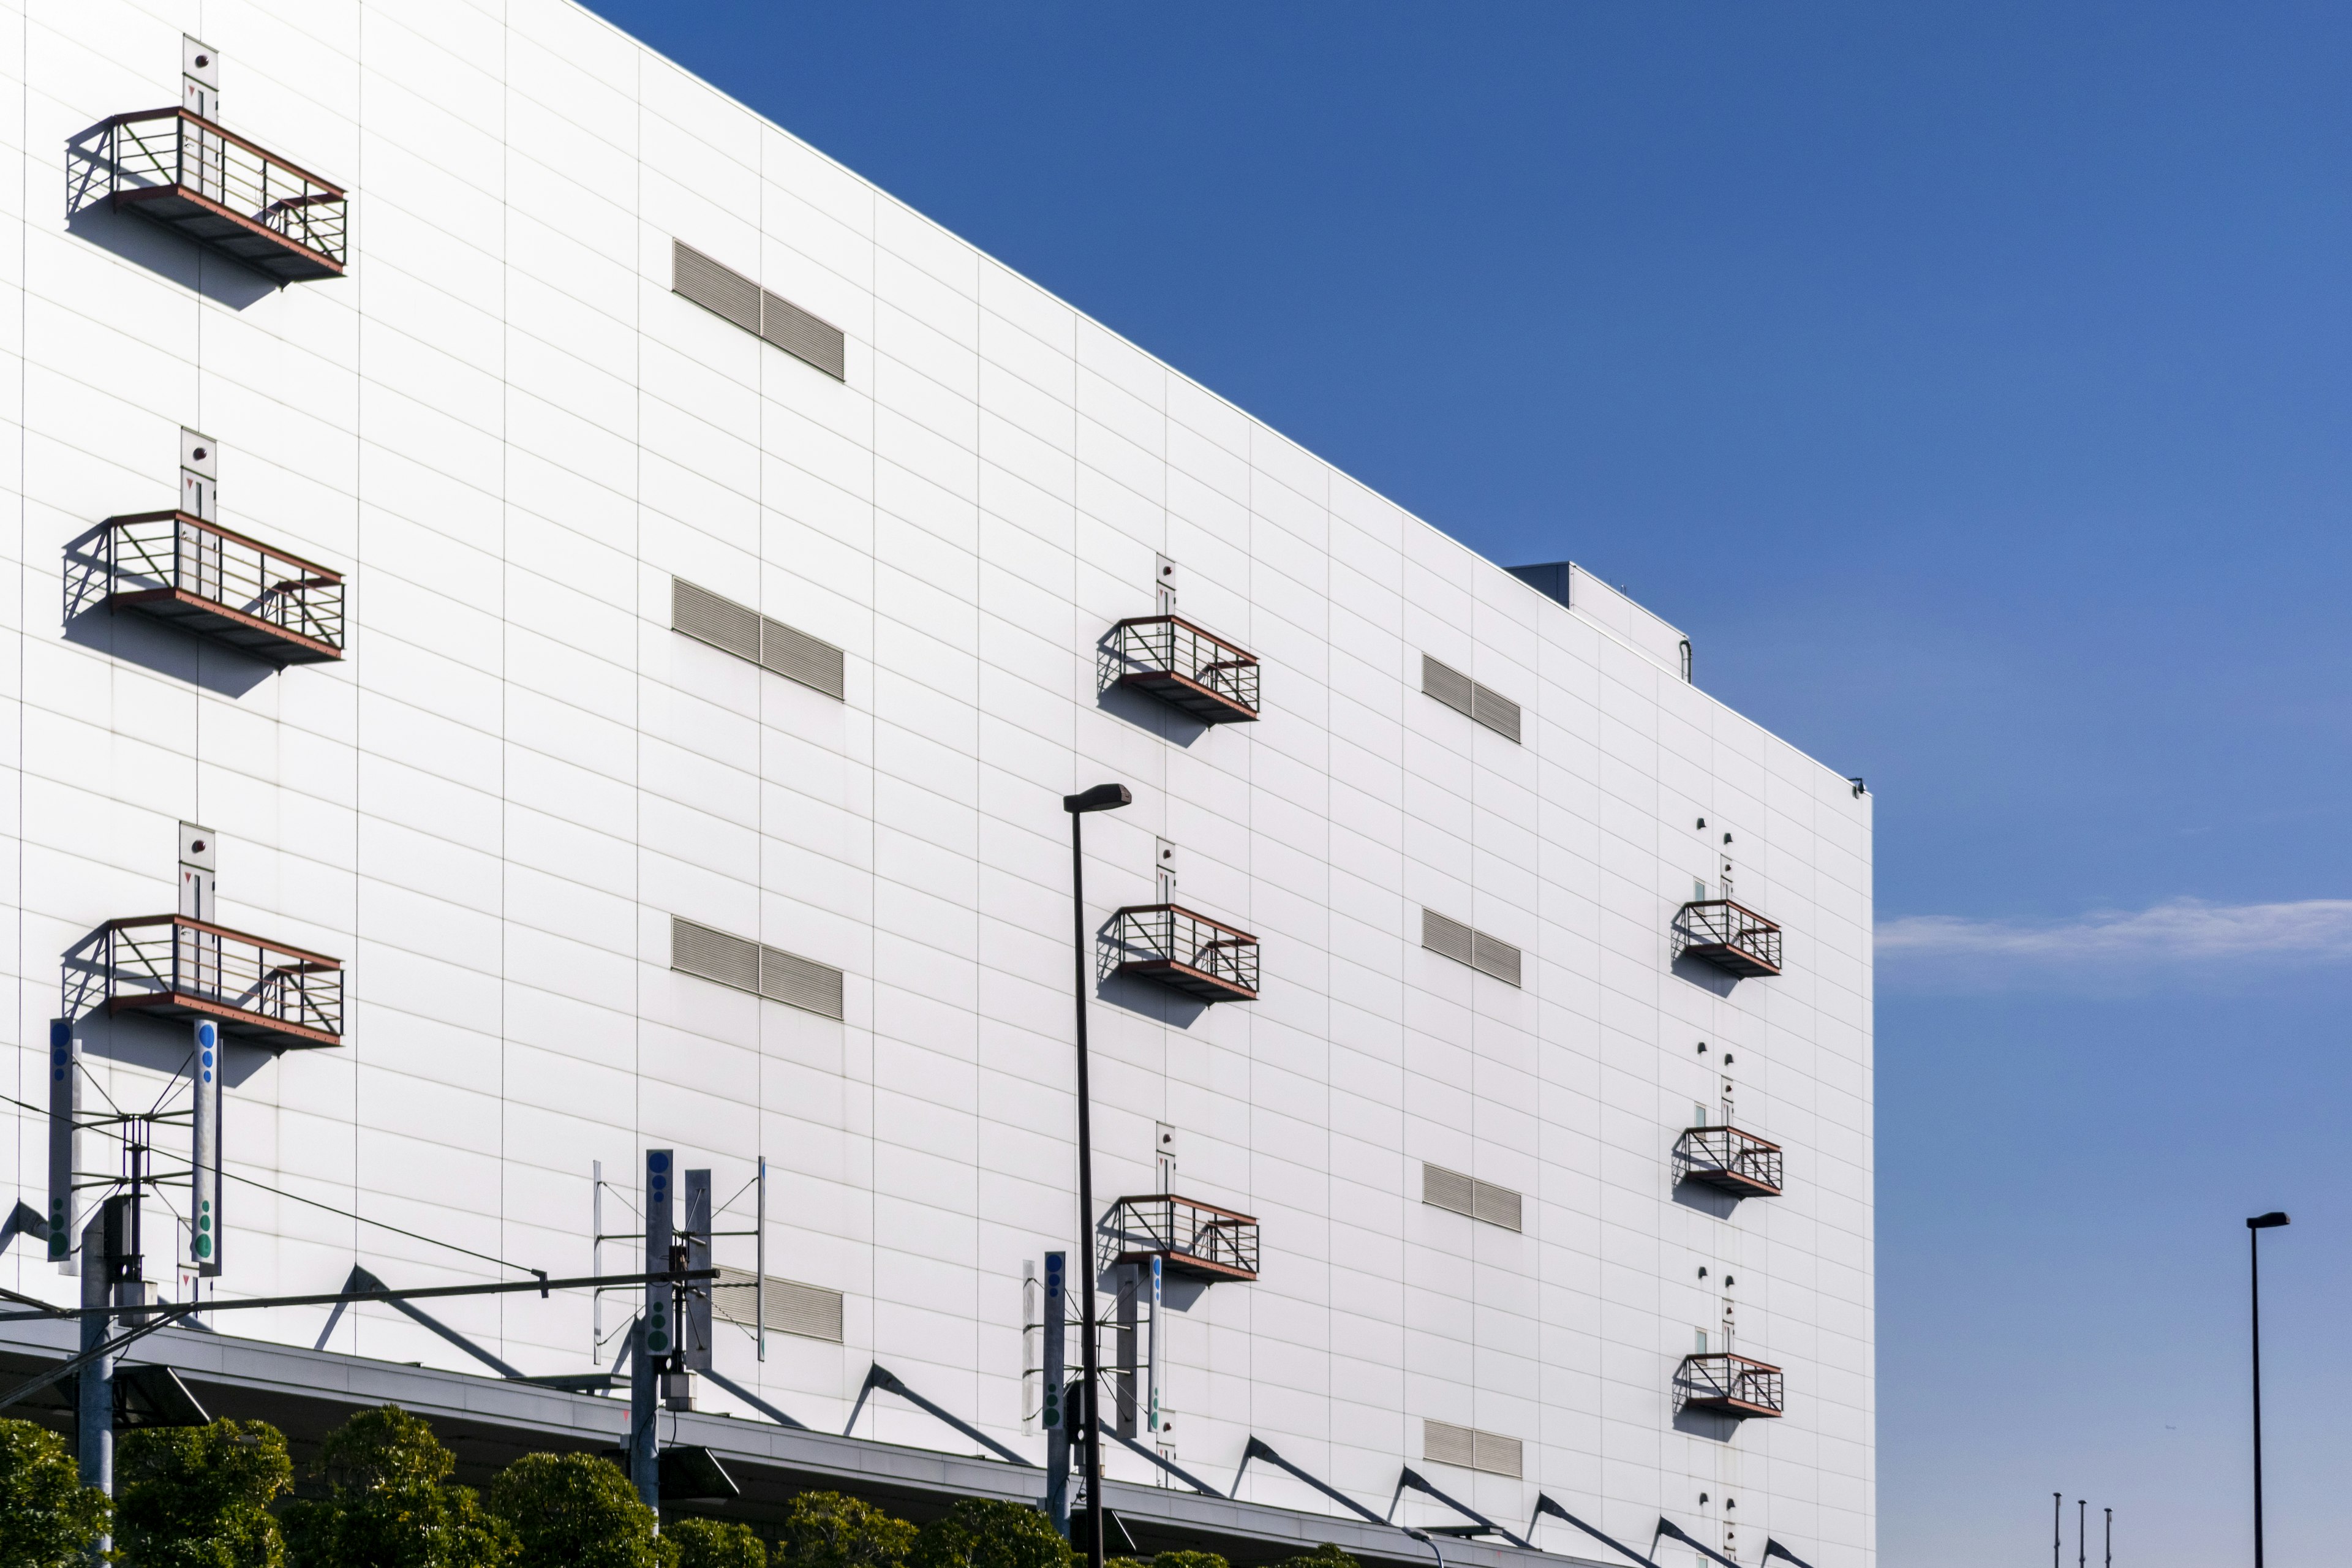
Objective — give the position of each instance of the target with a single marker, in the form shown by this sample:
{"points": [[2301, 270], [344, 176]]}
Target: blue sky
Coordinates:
{"points": [[1970, 383]]}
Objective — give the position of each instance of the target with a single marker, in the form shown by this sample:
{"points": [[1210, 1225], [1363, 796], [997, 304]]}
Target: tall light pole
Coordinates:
{"points": [[2111, 1538], [2254, 1227], [2081, 1517], [1102, 797]]}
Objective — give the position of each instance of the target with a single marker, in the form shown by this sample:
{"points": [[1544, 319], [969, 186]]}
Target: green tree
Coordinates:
{"points": [[982, 1533], [199, 1497], [1325, 1555], [1200, 1560], [389, 1503], [715, 1543], [575, 1510], [826, 1530], [47, 1518]]}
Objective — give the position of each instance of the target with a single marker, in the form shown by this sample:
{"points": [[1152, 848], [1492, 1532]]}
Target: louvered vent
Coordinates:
{"points": [[1442, 1443], [1496, 1205], [722, 623], [1449, 937], [1488, 955], [796, 656], [1444, 1189], [769, 972], [713, 954], [765, 640], [1448, 685], [1494, 956], [800, 981], [810, 1310], [714, 286], [1463, 695], [1497, 713], [801, 335]]}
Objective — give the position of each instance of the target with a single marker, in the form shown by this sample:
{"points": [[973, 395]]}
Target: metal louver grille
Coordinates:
{"points": [[1448, 685], [1496, 1205], [1446, 1189], [1495, 1453], [1443, 1443], [799, 982], [714, 286], [791, 1308], [1497, 713], [796, 656], [801, 335], [1492, 956], [722, 623], [1449, 937], [713, 954]]}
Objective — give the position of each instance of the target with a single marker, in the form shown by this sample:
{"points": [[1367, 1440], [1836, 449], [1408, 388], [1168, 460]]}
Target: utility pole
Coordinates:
{"points": [[2057, 1503], [94, 1386], [2082, 1514], [2111, 1538], [1056, 1413], [655, 1339]]}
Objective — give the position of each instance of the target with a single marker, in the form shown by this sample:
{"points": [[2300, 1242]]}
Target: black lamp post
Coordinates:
{"points": [[2254, 1227], [1102, 797]]}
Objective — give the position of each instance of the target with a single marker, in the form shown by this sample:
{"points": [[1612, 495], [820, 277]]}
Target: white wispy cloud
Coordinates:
{"points": [[2179, 931]]}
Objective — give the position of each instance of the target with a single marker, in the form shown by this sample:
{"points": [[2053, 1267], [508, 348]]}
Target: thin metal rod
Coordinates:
{"points": [[2254, 1284], [1084, 1259], [760, 1265]]}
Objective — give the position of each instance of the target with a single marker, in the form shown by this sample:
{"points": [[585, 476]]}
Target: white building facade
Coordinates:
{"points": [[438, 352]]}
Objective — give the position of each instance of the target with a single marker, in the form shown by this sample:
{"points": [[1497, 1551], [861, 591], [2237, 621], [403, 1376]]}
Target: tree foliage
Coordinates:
{"points": [[982, 1533], [575, 1510], [47, 1518], [389, 1503], [1196, 1560], [199, 1497], [1325, 1555], [826, 1530], [715, 1543]]}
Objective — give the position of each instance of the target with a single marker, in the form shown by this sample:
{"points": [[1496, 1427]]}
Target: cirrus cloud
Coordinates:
{"points": [[2214, 939]]}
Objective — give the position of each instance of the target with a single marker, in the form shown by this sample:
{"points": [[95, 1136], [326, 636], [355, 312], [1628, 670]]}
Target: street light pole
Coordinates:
{"points": [[1102, 797], [2254, 1227]]}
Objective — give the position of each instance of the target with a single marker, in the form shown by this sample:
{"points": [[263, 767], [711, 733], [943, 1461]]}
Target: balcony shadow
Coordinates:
{"points": [[1705, 1199], [1712, 1425], [90, 216], [1140, 708], [1146, 998], [1705, 975], [136, 639]]}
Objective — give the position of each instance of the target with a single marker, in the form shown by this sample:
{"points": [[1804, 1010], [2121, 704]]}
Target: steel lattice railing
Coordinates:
{"points": [[1184, 1231], [176, 551], [1718, 927], [161, 957], [1182, 948], [1719, 1152], [178, 147], [1737, 1384], [1149, 649]]}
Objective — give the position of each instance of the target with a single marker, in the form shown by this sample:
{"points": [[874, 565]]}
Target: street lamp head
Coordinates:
{"points": [[2270, 1221], [1102, 797]]}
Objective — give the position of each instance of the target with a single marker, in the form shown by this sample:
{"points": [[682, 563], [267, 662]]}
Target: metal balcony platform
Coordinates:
{"points": [[208, 184], [1730, 1161], [1186, 951], [1734, 1385], [1192, 1239], [1735, 939], [221, 585], [1179, 663], [177, 966]]}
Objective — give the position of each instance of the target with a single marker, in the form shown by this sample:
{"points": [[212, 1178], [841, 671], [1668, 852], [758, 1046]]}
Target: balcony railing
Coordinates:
{"points": [[1736, 939], [1738, 1162], [1173, 659], [1197, 1240], [1730, 1385], [218, 583], [176, 168], [1192, 952], [180, 967]]}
